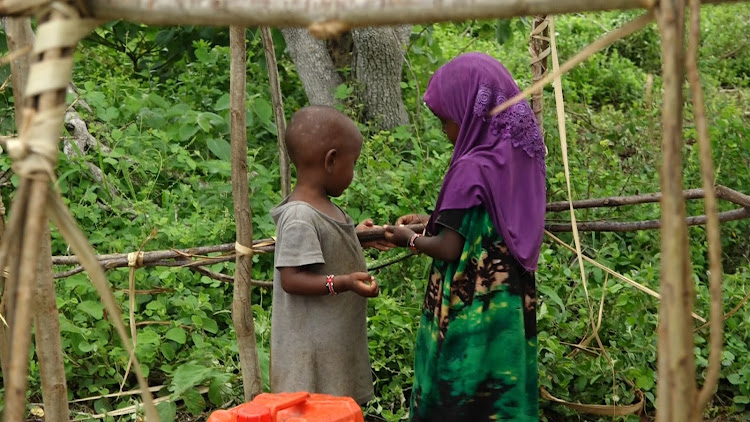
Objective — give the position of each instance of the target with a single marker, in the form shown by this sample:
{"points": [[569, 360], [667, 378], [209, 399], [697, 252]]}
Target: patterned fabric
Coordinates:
{"points": [[476, 353], [516, 124]]}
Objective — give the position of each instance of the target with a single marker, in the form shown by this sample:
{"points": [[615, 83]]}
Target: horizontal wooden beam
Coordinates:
{"points": [[329, 17]]}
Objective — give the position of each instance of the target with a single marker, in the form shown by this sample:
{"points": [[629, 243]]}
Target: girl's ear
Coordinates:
{"points": [[330, 160]]}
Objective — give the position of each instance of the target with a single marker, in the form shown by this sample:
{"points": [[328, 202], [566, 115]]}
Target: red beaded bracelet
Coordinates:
{"points": [[329, 284], [413, 239]]}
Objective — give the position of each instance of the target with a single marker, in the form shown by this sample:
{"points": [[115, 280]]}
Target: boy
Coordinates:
{"points": [[319, 331]]}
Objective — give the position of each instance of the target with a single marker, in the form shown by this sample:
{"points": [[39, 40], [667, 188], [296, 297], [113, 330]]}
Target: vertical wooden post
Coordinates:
{"points": [[676, 389], [539, 50], [46, 316], [278, 109], [242, 312]]}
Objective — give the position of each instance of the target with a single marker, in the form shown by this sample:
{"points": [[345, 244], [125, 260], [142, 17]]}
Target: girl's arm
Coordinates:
{"points": [[446, 246]]}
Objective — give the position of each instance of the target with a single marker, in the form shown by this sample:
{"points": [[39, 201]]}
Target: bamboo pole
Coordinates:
{"points": [[278, 110], [329, 17], [242, 311], [676, 384]]}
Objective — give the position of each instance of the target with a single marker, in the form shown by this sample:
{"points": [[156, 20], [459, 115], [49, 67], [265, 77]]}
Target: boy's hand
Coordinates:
{"points": [[362, 284], [399, 235], [412, 219], [381, 245]]}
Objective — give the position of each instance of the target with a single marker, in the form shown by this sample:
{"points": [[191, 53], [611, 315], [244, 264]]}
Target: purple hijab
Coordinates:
{"points": [[498, 161]]}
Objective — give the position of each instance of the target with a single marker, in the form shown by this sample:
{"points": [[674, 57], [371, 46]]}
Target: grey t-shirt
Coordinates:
{"points": [[318, 343]]}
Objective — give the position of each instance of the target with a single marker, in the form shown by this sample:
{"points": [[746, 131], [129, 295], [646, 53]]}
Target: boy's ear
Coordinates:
{"points": [[330, 160]]}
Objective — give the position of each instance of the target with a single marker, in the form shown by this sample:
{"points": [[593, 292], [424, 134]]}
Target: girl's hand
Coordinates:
{"points": [[362, 284], [398, 235], [381, 245], [413, 219]]}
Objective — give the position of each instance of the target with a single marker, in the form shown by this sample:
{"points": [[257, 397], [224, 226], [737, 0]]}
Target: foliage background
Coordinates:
{"points": [[159, 101]]}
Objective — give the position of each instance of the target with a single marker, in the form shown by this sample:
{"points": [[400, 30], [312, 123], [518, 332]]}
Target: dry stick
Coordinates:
{"points": [[711, 209], [617, 201], [278, 109], [675, 341], [242, 311], [47, 333], [560, 106], [728, 314], [615, 274], [630, 226], [591, 49], [15, 393]]}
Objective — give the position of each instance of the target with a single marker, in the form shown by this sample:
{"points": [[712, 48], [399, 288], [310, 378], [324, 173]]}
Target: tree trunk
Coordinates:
{"points": [[378, 64], [314, 65]]}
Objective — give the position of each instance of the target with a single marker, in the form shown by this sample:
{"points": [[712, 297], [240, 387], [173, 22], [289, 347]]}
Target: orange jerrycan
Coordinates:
{"points": [[292, 407]]}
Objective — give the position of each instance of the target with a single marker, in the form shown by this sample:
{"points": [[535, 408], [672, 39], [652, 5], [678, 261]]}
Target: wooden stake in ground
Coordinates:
{"points": [[46, 316], [676, 389], [242, 311], [278, 110], [539, 50]]}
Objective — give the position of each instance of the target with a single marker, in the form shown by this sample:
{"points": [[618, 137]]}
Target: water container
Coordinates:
{"points": [[292, 407]]}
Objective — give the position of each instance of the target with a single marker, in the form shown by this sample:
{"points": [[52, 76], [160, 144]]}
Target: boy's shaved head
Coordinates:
{"points": [[314, 130]]}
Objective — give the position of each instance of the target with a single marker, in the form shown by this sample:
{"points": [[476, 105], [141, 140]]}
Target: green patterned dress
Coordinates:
{"points": [[476, 352]]}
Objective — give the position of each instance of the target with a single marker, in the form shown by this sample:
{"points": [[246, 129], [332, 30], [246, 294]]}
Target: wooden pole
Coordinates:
{"points": [[539, 50], [329, 17], [676, 389], [19, 35], [242, 311], [46, 316], [278, 110]]}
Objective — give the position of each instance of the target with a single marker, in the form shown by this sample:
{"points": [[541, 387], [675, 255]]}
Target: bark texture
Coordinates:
{"points": [[378, 64], [314, 65]]}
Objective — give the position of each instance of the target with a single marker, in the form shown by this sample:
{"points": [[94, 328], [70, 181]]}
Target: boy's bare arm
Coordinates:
{"points": [[302, 281]]}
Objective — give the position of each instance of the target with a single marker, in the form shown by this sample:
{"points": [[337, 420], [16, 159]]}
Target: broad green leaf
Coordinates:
{"points": [[167, 411], [222, 103], [95, 309], [220, 148], [210, 325], [741, 399], [188, 376], [148, 337], [177, 335], [263, 110], [167, 350], [194, 401]]}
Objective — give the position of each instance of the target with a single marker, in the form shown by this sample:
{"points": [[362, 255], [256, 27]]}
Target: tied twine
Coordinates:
{"points": [[243, 250], [135, 259]]}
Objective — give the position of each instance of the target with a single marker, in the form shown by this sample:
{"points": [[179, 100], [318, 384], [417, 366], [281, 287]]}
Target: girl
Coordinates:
{"points": [[476, 357]]}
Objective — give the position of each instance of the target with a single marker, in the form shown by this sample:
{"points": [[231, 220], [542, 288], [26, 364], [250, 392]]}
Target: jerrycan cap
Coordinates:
{"points": [[253, 413]]}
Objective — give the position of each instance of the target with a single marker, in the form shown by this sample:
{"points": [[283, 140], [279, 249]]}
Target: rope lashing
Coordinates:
{"points": [[135, 259], [243, 250]]}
